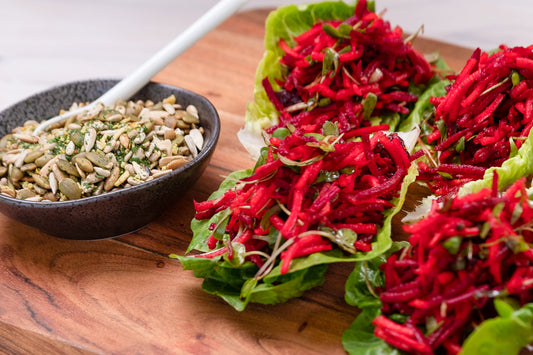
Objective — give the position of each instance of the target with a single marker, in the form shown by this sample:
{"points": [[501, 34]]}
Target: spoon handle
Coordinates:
{"points": [[142, 75]]}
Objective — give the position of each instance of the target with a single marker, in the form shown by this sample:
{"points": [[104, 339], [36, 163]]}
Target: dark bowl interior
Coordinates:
{"points": [[118, 212]]}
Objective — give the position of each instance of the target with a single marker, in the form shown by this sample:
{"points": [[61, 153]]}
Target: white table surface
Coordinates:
{"points": [[48, 42]]}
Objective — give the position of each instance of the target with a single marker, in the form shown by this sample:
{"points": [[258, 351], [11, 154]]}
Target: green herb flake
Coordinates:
{"points": [[452, 244], [460, 146], [331, 62], [330, 129], [369, 103]]}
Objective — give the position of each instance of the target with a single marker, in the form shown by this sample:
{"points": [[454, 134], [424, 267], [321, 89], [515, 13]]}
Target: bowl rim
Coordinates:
{"points": [[202, 155]]}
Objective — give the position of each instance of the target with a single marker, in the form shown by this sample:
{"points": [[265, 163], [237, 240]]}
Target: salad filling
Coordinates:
{"points": [[354, 70], [468, 252], [328, 180], [347, 71], [482, 121]]}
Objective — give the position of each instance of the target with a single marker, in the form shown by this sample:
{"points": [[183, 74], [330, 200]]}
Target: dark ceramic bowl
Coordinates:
{"points": [[113, 213]]}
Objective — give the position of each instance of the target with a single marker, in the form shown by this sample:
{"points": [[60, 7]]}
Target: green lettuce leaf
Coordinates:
{"points": [[236, 285], [365, 276], [200, 228], [423, 107], [503, 335], [359, 339], [520, 164]]}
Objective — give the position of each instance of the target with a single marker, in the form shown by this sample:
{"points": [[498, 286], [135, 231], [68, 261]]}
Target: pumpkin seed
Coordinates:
{"points": [[67, 167], [188, 118], [25, 193], [70, 189], [28, 167], [99, 159], [84, 164], [5, 141], [42, 160], [183, 125], [41, 181], [14, 173], [77, 138], [33, 155]]}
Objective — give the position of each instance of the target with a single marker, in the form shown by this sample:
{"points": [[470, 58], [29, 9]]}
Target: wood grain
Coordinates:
{"points": [[125, 296], [14, 340]]}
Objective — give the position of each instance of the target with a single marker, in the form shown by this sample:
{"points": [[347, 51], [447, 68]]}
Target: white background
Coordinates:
{"points": [[48, 42]]}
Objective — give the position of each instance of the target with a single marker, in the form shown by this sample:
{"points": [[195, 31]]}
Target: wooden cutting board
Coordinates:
{"points": [[124, 295]]}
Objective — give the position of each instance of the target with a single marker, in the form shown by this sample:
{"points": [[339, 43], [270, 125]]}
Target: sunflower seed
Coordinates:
{"points": [[110, 181], [28, 138], [71, 147], [140, 171], [53, 183], [90, 138], [191, 145], [197, 138]]}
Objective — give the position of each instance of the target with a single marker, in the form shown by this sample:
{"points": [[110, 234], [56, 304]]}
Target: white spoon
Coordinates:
{"points": [[140, 77]]}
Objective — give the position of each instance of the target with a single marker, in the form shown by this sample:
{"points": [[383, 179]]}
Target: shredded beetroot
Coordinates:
{"points": [[463, 254], [487, 110], [336, 65], [312, 189]]}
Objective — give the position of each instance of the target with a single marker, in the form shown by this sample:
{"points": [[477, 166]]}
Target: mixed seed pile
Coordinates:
{"points": [[100, 150]]}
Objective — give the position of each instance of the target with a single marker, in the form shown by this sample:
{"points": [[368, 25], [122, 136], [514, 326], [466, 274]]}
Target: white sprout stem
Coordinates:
{"points": [[269, 264], [140, 77]]}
